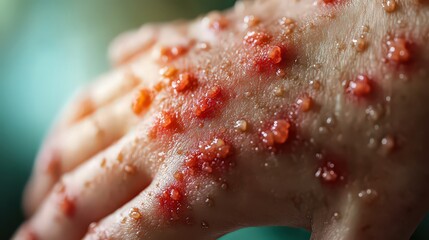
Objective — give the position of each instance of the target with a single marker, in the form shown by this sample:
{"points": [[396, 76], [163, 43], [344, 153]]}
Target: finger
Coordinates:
{"points": [[131, 48], [69, 147], [94, 190], [129, 45], [111, 122], [190, 197], [103, 91], [77, 144], [144, 218], [178, 202], [107, 89]]}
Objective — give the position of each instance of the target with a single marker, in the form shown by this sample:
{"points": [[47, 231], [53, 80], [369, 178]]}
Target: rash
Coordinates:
{"points": [[206, 106], [166, 122], [211, 157], [398, 50], [142, 101], [359, 87]]}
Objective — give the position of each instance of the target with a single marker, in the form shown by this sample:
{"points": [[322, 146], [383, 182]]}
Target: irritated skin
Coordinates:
{"points": [[294, 113]]}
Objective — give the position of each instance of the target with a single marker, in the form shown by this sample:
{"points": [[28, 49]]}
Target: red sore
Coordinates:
{"points": [[398, 50], [256, 38], [183, 82], [172, 201], [142, 101], [361, 86], [205, 106], [210, 157], [165, 122], [269, 58], [67, 205], [278, 133]]}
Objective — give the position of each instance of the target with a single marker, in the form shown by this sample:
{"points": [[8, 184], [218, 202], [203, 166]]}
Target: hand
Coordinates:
{"points": [[274, 113]]}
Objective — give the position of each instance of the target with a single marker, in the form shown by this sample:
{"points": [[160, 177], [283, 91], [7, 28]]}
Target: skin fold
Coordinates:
{"points": [[290, 113]]}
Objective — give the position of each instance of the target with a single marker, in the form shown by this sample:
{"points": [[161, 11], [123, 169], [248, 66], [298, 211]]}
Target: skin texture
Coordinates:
{"points": [[319, 122]]}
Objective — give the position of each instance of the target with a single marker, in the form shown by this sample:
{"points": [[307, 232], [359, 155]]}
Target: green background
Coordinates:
{"points": [[47, 50]]}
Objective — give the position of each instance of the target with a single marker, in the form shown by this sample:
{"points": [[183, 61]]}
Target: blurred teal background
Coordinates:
{"points": [[50, 47]]}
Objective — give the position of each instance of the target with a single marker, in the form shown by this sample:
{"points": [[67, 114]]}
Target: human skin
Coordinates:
{"points": [[307, 114]]}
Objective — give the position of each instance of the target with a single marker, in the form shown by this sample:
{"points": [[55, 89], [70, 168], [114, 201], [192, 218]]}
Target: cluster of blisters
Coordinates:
{"points": [[183, 82], [180, 81], [211, 157], [328, 171], [142, 101], [166, 121], [276, 134], [264, 56], [254, 39], [359, 87], [172, 201], [289, 25], [398, 50], [211, 100], [269, 58]]}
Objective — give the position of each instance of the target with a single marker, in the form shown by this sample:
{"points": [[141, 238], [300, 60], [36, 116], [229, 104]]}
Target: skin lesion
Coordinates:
{"points": [[365, 43], [355, 86], [311, 116]]}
